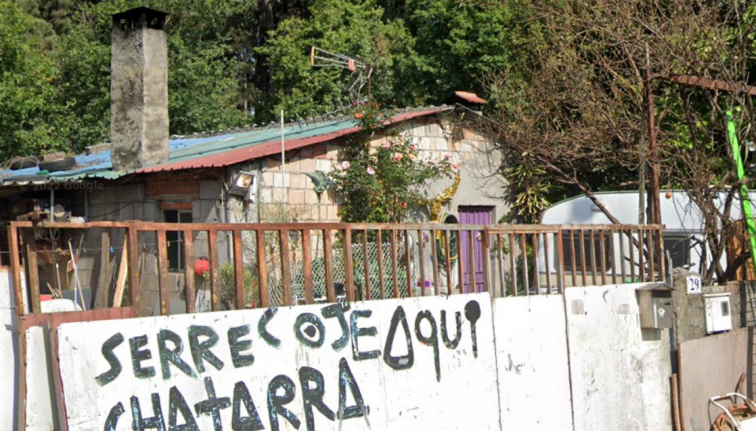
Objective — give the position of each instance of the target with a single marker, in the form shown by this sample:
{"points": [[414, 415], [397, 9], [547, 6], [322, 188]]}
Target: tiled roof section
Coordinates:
{"points": [[213, 150]]}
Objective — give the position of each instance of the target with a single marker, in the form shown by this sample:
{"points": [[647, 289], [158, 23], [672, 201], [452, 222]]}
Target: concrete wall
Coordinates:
{"points": [[40, 393], [439, 385], [533, 369], [620, 373], [8, 345], [709, 367]]}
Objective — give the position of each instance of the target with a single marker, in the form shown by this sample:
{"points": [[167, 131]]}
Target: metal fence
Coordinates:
{"points": [[304, 263]]}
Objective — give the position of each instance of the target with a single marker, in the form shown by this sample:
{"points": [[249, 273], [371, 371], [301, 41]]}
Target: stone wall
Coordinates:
{"points": [[436, 138]]}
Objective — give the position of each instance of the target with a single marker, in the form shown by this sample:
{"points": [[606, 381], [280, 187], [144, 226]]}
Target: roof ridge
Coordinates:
{"points": [[306, 121]]}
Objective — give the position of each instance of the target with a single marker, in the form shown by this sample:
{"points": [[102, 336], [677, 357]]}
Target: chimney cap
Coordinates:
{"points": [[147, 17]]}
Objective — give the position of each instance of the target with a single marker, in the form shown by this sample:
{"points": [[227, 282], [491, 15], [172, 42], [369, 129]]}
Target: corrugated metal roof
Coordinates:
{"points": [[218, 150]]}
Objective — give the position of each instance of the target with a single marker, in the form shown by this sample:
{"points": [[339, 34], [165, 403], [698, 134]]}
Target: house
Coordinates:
{"points": [[259, 174]]}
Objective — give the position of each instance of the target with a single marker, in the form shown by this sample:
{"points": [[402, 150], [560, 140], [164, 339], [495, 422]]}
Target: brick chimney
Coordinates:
{"points": [[138, 89]]}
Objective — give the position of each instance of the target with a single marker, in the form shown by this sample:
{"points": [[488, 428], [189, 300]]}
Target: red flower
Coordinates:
{"points": [[358, 115]]}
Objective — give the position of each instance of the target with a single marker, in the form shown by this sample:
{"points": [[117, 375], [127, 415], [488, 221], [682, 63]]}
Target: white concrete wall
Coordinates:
{"points": [[460, 393], [39, 384], [8, 344], [620, 373], [533, 372]]}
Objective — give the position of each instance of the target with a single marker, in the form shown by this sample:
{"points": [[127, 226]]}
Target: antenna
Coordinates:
{"points": [[357, 68]]}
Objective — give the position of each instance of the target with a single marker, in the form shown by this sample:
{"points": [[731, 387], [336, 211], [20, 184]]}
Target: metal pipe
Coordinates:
{"points": [[52, 204], [283, 165]]}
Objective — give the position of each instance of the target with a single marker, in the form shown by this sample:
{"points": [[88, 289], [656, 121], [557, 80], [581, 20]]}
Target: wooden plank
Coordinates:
{"points": [[583, 257], [381, 280], [622, 256], [613, 262], [447, 250], [487, 261], [349, 265], [189, 288], [436, 285], [536, 275], [421, 248], [651, 260], [592, 249], [408, 264], [262, 268], [15, 263], [366, 263], [394, 264], [307, 266], [512, 264], [560, 259], [135, 292], [472, 269], [32, 267], [524, 251], [546, 254], [283, 238], [460, 263], [328, 263], [641, 263], [102, 290], [212, 240], [631, 246], [500, 265], [574, 264], [240, 295], [164, 292], [602, 249], [123, 270]]}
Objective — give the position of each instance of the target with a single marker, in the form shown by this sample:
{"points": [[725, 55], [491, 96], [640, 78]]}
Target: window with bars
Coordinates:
{"points": [[176, 258]]}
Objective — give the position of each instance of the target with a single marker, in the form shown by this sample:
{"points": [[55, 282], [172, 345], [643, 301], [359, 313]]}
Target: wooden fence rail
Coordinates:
{"points": [[305, 263]]}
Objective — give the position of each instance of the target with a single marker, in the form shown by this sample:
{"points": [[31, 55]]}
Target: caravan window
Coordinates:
{"points": [[571, 241], [677, 245]]}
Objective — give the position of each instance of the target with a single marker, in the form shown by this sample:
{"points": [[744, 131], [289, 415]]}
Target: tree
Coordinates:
{"points": [[343, 26], [580, 113], [30, 119]]}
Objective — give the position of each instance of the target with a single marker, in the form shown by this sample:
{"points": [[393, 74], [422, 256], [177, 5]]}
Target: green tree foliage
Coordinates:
{"points": [[355, 28], [239, 62], [31, 118]]}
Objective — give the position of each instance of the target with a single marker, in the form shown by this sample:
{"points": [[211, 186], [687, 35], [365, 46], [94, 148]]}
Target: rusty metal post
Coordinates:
{"points": [[190, 291]]}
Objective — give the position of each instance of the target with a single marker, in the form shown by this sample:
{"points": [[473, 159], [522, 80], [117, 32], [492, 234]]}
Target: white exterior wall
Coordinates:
{"points": [[533, 372], [8, 342], [620, 373], [461, 394], [39, 385]]}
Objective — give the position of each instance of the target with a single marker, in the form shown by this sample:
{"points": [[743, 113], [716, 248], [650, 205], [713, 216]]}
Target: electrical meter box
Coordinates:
{"points": [[717, 312], [655, 304]]}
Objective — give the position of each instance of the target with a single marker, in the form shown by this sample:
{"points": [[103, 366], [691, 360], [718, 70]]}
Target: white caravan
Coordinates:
{"points": [[681, 218]]}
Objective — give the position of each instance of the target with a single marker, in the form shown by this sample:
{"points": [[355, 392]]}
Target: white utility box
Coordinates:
{"points": [[717, 312]]}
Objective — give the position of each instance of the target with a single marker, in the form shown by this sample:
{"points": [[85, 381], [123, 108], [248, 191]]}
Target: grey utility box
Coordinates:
{"points": [[655, 303]]}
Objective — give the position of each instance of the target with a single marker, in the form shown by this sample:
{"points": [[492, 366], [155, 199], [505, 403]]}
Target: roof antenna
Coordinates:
{"points": [[360, 71]]}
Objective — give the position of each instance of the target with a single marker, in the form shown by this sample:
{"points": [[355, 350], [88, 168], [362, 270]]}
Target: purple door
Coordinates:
{"points": [[473, 215]]}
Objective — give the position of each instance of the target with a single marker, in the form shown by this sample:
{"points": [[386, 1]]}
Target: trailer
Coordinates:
{"points": [[682, 239]]}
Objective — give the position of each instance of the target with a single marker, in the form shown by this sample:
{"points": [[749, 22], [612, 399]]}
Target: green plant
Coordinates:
{"points": [[380, 184], [227, 281]]}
